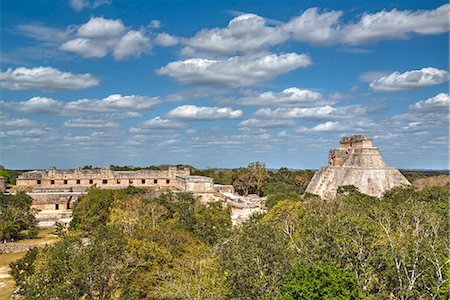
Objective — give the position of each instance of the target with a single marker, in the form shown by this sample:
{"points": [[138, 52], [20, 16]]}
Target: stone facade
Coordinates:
{"points": [[356, 162], [195, 184], [54, 192], [102, 178]]}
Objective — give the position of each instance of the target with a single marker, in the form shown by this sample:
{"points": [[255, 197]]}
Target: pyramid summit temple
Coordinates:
{"points": [[356, 162]]}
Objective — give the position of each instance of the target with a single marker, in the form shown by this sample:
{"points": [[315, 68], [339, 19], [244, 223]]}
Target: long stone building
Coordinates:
{"points": [[55, 191], [356, 162]]}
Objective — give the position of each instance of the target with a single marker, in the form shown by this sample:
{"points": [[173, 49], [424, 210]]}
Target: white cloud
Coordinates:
{"points": [[409, 80], [115, 103], [329, 126], [395, 24], [236, 71], [100, 36], [34, 105], [88, 48], [100, 28], [166, 40], [322, 112], [289, 97], [249, 33], [158, 123], [266, 123], [315, 27], [79, 5], [373, 75], [17, 123], [41, 32], [245, 33], [90, 124], [45, 78], [132, 44], [154, 24], [440, 102], [192, 112], [112, 103]]}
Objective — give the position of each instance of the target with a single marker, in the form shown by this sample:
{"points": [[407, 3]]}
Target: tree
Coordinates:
{"points": [[320, 282], [286, 217], [92, 210], [16, 215], [73, 268], [256, 259]]}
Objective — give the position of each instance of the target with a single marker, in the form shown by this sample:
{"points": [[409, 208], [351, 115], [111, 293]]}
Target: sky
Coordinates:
{"points": [[221, 83]]}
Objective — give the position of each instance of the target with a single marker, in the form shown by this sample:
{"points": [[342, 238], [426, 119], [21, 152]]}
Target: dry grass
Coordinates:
{"points": [[7, 284], [45, 236]]}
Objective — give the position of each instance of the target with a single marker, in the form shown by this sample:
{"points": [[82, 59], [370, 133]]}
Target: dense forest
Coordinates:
{"points": [[137, 244]]}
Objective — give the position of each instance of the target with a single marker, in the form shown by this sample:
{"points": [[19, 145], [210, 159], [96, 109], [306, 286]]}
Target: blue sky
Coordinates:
{"points": [[221, 83]]}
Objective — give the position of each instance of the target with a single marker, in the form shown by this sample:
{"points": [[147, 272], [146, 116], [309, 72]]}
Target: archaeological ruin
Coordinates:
{"points": [[356, 162], [55, 191]]}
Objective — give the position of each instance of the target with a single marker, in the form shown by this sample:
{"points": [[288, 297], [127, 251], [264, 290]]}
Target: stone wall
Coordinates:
{"points": [[195, 184], [2, 184], [102, 178]]}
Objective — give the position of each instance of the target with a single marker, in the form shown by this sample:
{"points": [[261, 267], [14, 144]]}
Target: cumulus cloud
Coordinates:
{"points": [[321, 112], [158, 123], [315, 27], [166, 40], [244, 33], [248, 33], [266, 123], [100, 36], [440, 102], [395, 24], [111, 104], [289, 97], [236, 71], [329, 126], [45, 78], [409, 80], [34, 105], [133, 44], [192, 112]]}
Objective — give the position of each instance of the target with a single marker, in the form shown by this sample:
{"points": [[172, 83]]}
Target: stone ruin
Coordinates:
{"points": [[55, 191], [356, 162]]}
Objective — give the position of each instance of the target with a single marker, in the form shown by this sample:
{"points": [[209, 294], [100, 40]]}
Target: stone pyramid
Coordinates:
{"points": [[356, 162]]}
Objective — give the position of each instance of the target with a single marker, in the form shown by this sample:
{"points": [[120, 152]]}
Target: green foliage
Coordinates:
{"points": [[174, 247], [16, 216], [257, 260], [92, 210], [9, 175], [24, 267], [211, 222], [273, 199], [394, 246], [73, 268], [320, 282]]}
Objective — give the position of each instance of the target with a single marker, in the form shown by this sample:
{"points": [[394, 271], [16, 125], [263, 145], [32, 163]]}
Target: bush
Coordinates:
{"points": [[321, 282]]}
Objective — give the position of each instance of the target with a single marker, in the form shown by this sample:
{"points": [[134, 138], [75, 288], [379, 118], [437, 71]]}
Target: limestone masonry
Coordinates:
{"points": [[55, 191], [356, 162]]}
